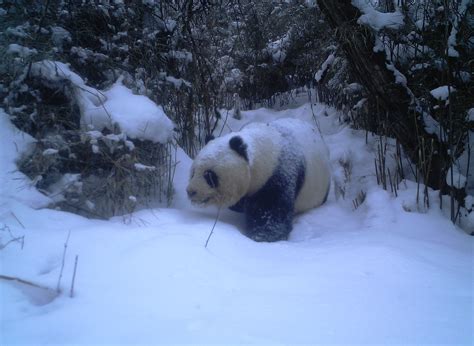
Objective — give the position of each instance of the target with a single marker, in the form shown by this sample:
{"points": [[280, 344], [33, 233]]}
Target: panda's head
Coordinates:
{"points": [[220, 174]]}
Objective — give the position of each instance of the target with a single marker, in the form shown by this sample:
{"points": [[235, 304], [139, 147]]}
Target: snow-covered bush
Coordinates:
{"points": [[98, 153], [413, 59]]}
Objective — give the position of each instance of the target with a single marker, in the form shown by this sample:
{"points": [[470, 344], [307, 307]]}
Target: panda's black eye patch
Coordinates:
{"points": [[211, 178]]}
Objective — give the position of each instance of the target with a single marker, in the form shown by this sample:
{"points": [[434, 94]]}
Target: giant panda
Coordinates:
{"points": [[268, 171]]}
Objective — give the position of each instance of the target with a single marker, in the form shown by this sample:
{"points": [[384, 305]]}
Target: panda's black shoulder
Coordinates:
{"points": [[240, 206], [287, 178]]}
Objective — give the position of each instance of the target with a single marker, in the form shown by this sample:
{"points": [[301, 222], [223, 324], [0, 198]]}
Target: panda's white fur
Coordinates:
{"points": [[286, 158]]}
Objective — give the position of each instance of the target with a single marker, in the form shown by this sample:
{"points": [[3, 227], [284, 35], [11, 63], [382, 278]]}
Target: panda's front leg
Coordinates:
{"points": [[269, 217]]}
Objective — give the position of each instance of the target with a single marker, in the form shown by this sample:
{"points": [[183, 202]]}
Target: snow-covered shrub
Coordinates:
{"points": [[413, 60], [98, 154], [280, 48], [97, 168]]}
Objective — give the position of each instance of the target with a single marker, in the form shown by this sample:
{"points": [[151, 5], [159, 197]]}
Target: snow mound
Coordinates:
{"points": [[135, 115]]}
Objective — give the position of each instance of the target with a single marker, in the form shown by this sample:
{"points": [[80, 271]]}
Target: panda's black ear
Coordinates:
{"points": [[237, 144]]}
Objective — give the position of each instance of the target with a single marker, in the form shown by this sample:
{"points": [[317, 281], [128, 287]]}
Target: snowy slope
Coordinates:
{"points": [[387, 272]]}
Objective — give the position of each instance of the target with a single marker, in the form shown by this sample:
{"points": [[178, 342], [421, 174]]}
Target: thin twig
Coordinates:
{"points": [[377, 171], [20, 240], [13, 214], [62, 262], [21, 281], [390, 181], [13, 238], [212, 230], [74, 277]]}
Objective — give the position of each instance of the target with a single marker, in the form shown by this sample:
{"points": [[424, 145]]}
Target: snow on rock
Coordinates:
{"points": [[378, 20], [442, 93], [135, 115]]}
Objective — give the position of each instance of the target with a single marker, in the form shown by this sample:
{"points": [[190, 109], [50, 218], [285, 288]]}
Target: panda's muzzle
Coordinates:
{"points": [[191, 193]]}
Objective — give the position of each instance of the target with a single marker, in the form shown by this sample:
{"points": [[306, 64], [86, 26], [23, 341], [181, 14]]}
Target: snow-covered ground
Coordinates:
{"points": [[389, 271]]}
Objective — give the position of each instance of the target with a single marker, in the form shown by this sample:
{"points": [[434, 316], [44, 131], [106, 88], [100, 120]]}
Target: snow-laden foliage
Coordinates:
{"points": [[422, 95], [87, 157], [118, 108], [378, 20]]}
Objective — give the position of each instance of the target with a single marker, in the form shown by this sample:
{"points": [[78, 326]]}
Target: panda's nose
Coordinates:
{"points": [[191, 193]]}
